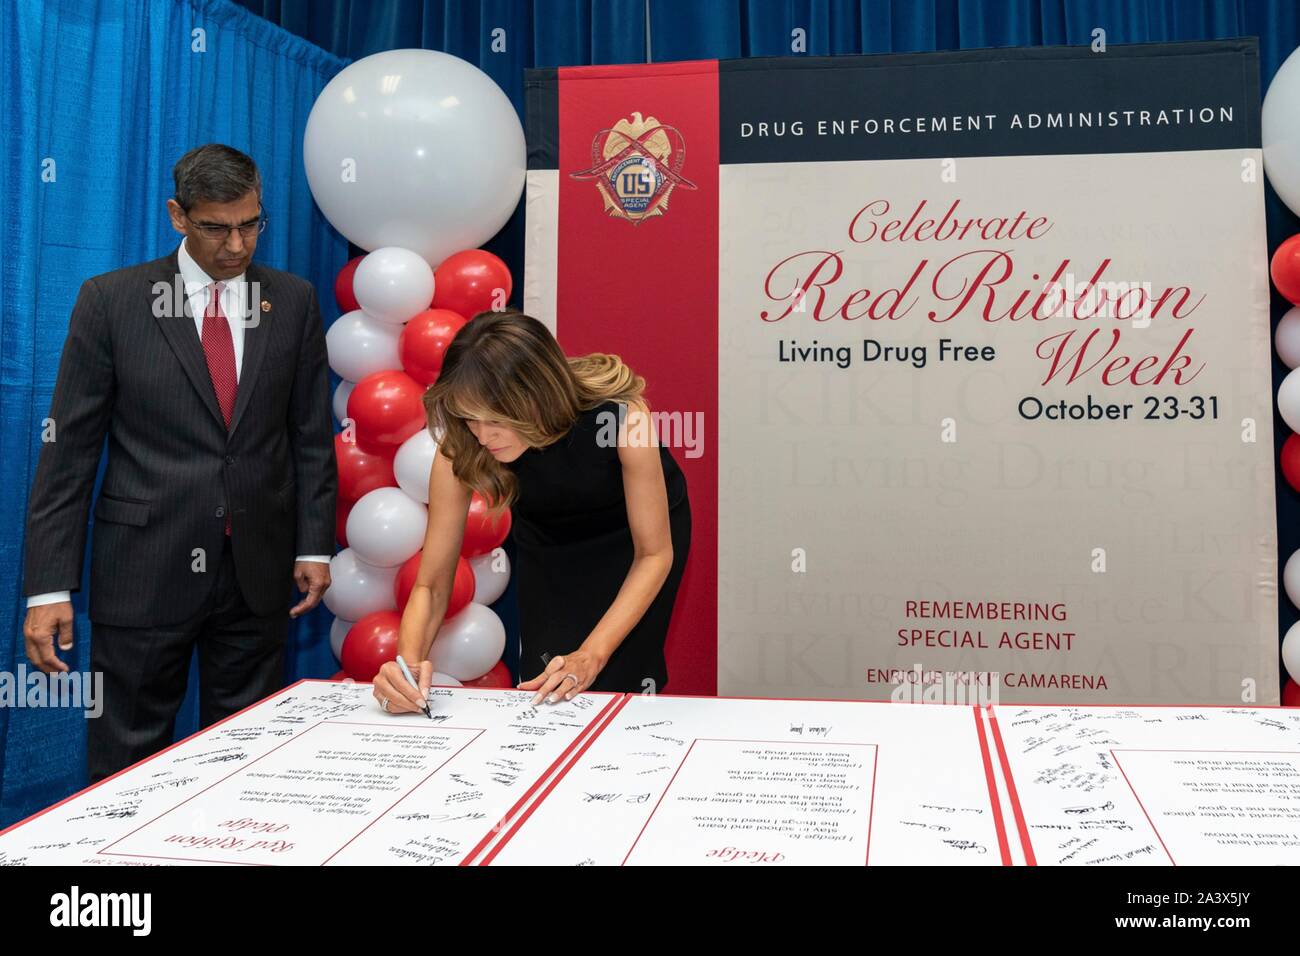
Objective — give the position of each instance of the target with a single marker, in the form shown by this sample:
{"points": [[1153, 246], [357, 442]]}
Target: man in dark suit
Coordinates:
{"points": [[207, 373]]}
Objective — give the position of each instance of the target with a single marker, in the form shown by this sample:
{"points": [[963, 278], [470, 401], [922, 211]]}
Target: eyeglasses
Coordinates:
{"points": [[217, 232]]}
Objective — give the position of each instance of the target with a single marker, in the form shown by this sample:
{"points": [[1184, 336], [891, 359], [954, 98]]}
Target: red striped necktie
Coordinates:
{"points": [[219, 350]]}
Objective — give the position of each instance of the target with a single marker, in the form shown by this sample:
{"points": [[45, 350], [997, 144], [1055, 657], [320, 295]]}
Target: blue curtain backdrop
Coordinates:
{"points": [[100, 100]]}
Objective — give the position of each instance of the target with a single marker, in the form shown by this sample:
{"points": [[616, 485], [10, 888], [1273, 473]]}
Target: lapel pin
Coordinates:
{"points": [[266, 306]]}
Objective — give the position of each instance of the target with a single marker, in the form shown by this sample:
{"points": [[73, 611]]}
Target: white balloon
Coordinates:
{"points": [[357, 588], [469, 643], [338, 631], [490, 584], [1290, 652], [1288, 400], [393, 284], [341, 394], [443, 680], [1291, 578], [1279, 125], [360, 345], [1287, 338], [385, 527], [436, 148], [412, 464]]}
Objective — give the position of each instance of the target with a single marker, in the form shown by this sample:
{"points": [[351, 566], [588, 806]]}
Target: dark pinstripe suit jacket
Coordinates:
{"points": [[133, 369]]}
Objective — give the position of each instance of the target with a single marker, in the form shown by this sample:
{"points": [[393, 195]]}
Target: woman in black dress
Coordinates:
{"points": [[601, 518]]}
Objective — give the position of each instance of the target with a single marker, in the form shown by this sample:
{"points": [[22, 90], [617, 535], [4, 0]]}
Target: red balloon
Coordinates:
{"points": [[1291, 694], [342, 509], [1285, 269], [387, 409], [424, 341], [462, 588], [405, 582], [468, 282], [343, 294], [481, 533], [371, 643], [498, 676], [359, 471], [340, 676], [1290, 459]]}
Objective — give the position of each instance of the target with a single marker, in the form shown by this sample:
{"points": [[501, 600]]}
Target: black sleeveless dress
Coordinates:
{"points": [[574, 549]]}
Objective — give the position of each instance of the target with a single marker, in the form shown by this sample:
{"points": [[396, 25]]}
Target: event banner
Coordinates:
{"points": [[965, 357]]}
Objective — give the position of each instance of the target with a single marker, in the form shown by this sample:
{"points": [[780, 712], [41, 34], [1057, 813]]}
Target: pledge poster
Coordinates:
{"points": [[966, 357]]}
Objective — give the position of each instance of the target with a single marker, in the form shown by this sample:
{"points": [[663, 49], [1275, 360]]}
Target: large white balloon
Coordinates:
{"points": [[1288, 400], [1280, 131], [360, 345], [338, 631], [491, 575], [412, 464], [445, 680], [417, 149], [385, 527], [393, 284], [1290, 652], [341, 394], [469, 643], [357, 588]]}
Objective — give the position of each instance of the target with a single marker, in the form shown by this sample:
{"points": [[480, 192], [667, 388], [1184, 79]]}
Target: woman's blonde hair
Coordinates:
{"points": [[507, 367]]}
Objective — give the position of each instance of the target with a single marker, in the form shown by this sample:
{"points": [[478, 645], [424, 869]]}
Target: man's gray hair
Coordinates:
{"points": [[214, 173]]}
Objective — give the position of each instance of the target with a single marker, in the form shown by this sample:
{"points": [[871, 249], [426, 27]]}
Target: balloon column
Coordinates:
{"points": [[1280, 134], [418, 157]]}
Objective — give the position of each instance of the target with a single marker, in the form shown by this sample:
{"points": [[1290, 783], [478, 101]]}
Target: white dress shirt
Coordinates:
{"points": [[198, 290]]}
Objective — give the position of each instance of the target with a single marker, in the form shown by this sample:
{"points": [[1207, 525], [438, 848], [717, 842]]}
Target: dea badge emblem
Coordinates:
{"points": [[635, 165]]}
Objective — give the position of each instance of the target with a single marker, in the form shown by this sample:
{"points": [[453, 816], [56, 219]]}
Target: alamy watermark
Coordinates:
{"points": [[969, 688], [77, 908], [171, 300], [35, 688], [1132, 302], [674, 429]]}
